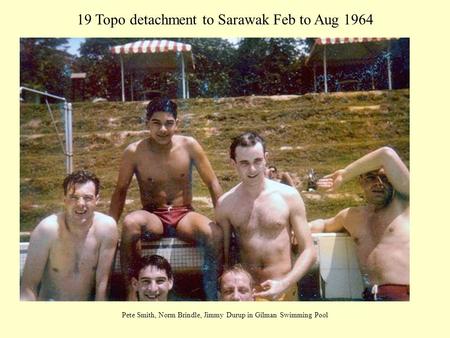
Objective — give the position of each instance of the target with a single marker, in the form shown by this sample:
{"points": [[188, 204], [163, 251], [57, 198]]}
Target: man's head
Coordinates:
{"points": [[236, 284], [248, 155], [162, 119], [81, 193], [153, 279], [377, 188], [272, 172]]}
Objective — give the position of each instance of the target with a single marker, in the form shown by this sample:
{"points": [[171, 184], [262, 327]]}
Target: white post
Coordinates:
{"points": [[68, 134], [183, 76], [389, 66], [325, 68], [122, 78]]}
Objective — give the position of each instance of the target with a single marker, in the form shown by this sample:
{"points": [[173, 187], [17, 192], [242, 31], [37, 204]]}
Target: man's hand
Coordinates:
{"points": [[272, 289], [332, 181]]}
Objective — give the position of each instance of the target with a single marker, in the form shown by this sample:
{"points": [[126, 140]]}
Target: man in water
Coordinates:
{"points": [[262, 212], [71, 253], [236, 284], [162, 164], [154, 279], [380, 229]]}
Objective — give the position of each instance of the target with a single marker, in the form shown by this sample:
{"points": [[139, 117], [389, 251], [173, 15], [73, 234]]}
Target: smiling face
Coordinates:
{"points": [[162, 127], [80, 202], [377, 188], [250, 163], [152, 284], [236, 286]]}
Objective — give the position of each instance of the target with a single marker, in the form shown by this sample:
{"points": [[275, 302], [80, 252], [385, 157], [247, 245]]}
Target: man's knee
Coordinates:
{"points": [[131, 227]]}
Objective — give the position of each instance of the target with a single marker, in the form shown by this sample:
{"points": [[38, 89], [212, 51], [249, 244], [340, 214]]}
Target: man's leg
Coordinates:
{"points": [[198, 228], [130, 246]]}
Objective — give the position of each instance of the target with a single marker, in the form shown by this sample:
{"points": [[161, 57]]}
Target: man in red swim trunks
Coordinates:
{"points": [[162, 164]]}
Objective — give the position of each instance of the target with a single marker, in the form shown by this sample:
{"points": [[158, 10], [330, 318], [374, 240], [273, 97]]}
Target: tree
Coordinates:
{"points": [[45, 65]]}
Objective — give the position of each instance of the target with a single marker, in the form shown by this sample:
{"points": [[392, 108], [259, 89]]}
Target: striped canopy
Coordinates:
{"points": [[151, 46], [332, 41]]}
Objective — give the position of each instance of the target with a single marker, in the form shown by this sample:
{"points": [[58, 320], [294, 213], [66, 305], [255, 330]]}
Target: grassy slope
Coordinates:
{"points": [[320, 131]]}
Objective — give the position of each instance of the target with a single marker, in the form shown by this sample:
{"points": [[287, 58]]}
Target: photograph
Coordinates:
{"points": [[215, 169]]}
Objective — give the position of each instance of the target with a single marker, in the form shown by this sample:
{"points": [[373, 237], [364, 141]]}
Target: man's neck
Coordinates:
{"points": [[77, 228], [160, 148], [254, 190]]}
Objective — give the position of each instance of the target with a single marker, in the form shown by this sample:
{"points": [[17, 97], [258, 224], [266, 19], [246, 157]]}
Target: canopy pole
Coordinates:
{"points": [[183, 76], [325, 68], [132, 86], [389, 66], [122, 78]]}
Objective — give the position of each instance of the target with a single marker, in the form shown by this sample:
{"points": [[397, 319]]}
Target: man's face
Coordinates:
{"points": [[236, 287], [162, 127], [377, 188], [153, 284], [80, 202], [250, 163]]}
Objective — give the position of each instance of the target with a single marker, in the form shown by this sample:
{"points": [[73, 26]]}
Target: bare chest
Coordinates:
{"points": [[73, 256], [378, 229], [266, 217], [154, 168]]}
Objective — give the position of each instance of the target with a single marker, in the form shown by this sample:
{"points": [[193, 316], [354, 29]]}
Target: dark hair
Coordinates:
{"points": [[79, 177], [161, 104], [273, 167], [247, 139], [154, 260]]}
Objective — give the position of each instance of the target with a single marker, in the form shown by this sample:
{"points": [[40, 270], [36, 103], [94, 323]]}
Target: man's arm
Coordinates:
{"points": [[287, 179], [126, 172], [307, 256], [205, 170], [38, 253], [105, 257], [333, 224], [223, 222], [385, 157]]}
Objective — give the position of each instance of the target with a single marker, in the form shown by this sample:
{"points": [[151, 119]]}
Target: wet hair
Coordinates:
{"points": [[157, 261], [236, 269], [248, 139], [161, 104], [273, 167], [80, 177]]}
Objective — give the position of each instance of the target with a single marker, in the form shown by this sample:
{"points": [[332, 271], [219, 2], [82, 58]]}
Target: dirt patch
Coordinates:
{"points": [[203, 200], [364, 108]]}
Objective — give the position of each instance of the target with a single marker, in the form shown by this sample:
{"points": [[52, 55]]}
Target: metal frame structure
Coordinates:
{"points": [[68, 152]]}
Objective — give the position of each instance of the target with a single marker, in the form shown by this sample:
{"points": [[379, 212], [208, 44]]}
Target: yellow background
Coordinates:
{"points": [[425, 314]]}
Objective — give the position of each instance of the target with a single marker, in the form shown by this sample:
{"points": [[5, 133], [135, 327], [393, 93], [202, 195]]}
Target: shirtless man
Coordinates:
{"points": [[163, 165], [154, 279], [262, 212], [71, 253], [381, 228], [282, 177], [236, 285]]}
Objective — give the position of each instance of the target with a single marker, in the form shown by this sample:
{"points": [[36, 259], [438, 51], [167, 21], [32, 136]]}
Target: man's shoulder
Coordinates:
{"points": [[103, 220], [48, 227], [283, 189], [184, 141], [230, 197], [104, 224]]}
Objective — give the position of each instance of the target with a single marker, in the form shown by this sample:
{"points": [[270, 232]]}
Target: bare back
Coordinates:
{"points": [[263, 230], [164, 178], [382, 241]]}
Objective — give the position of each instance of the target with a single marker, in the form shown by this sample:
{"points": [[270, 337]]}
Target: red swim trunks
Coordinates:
{"points": [[170, 217], [387, 292]]}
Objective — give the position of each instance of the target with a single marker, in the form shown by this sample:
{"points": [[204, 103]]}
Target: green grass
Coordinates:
{"points": [[323, 131]]}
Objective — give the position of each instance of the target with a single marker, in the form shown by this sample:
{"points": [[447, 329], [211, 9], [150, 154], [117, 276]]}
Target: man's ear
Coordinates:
{"points": [[233, 163], [170, 283], [134, 283], [266, 156]]}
